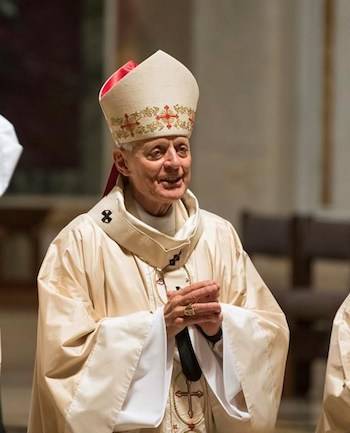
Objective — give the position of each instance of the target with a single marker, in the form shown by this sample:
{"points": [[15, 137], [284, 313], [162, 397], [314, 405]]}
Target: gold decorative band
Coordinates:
{"points": [[152, 119]]}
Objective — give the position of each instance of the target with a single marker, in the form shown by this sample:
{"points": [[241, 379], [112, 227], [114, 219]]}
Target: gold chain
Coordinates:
{"points": [[161, 281]]}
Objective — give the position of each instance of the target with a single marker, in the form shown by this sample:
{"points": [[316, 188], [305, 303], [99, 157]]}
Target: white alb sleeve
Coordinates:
{"points": [[220, 371], [147, 397]]}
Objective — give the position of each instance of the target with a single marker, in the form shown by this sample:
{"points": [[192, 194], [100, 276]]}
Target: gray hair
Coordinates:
{"points": [[124, 146], [130, 145]]}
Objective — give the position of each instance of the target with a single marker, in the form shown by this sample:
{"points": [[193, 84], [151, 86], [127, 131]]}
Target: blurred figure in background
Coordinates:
{"points": [[335, 417], [10, 151], [152, 318]]}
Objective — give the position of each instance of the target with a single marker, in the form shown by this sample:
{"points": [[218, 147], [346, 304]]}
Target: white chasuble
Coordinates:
{"points": [[104, 362], [335, 416]]}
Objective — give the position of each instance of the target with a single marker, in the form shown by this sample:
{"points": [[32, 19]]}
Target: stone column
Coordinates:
{"points": [[341, 158], [244, 144], [309, 88]]}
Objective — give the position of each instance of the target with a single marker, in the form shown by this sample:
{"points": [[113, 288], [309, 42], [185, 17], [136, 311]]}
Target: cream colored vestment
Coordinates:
{"points": [[101, 293], [335, 416]]}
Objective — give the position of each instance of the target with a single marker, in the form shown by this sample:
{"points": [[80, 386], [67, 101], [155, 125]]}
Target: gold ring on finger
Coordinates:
{"points": [[189, 311]]}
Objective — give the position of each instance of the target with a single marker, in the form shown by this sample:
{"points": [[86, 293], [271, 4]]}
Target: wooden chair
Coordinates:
{"points": [[27, 222], [319, 239], [309, 313], [267, 235], [272, 236]]}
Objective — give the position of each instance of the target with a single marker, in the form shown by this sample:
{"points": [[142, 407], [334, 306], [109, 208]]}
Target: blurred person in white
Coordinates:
{"points": [[335, 416], [152, 317], [10, 151]]}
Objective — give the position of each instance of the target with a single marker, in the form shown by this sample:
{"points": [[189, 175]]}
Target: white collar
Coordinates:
{"points": [[154, 247]]}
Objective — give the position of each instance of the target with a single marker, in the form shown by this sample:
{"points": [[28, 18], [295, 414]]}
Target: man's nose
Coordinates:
{"points": [[172, 159]]}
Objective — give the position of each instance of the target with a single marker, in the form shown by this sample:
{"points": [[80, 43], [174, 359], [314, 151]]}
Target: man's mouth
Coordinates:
{"points": [[171, 181]]}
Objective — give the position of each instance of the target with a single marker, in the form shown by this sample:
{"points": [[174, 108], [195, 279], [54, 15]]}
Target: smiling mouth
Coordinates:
{"points": [[172, 179]]}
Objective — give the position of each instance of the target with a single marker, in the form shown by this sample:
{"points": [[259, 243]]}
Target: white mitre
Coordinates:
{"points": [[156, 98], [10, 151]]}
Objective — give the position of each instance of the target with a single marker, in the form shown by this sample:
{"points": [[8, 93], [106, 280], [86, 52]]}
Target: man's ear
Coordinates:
{"points": [[121, 161]]}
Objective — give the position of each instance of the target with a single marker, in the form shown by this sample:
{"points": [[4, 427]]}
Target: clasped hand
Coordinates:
{"points": [[204, 299]]}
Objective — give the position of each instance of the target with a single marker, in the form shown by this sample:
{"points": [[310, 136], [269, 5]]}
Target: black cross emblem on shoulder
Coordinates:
{"points": [[106, 216], [175, 259]]}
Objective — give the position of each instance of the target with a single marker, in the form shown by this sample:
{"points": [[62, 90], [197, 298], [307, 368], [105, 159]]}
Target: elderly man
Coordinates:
{"points": [[335, 416], [10, 151], [152, 317]]}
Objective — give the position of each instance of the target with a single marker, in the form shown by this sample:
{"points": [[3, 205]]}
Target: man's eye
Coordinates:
{"points": [[155, 153], [183, 150]]}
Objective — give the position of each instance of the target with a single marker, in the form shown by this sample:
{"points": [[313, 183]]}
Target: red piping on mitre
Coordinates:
{"points": [[116, 77], [108, 85]]}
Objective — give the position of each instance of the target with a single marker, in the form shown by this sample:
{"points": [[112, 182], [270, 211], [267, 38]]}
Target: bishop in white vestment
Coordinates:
{"points": [[335, 415], [122, 283]]}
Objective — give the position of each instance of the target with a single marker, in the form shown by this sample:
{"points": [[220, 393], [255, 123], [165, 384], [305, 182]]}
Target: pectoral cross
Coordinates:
{"points": [[189, 396]]}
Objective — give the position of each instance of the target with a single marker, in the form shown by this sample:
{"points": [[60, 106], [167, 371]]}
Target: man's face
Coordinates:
{"points": [[159, 169]]}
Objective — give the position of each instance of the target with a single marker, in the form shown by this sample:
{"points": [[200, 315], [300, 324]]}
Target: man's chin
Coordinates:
{"points": [[172, 194]]}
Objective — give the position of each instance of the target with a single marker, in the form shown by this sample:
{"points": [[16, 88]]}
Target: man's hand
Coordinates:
{"points": [[203, 296]]}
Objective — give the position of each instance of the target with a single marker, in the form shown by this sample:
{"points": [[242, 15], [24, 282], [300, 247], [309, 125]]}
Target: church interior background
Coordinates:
{"points": [[271, 141]]}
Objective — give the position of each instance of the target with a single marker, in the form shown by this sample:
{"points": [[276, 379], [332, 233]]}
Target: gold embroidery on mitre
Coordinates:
{"points": [[152, 119]]}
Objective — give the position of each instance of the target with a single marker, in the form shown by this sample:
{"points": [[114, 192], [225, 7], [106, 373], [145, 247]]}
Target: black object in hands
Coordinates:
{"points": [[190, 367]]}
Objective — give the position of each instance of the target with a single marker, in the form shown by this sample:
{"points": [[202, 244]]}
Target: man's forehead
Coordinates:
{"points": [[166, 139]]}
